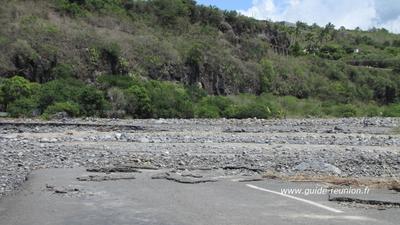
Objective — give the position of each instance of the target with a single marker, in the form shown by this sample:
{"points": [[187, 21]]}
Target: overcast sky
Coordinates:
{"points": [[349, 13]]}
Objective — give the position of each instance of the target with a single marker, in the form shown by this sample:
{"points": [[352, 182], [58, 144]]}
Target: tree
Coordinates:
{"points": [[326, 32], [14, 88], [71, 108], [312, 42], [169, 100], [211, 15], [92, 101], [192, 10], [301, 26], [194, 60], [23, 107], [168, 11], [138, 103], [60, 90]]}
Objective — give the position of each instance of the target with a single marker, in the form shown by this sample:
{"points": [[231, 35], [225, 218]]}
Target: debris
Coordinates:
{"points": [[98, 178], [61, 190], [232, 167], [250, 179], [365, 202], [183, 180], [295, 147], [317, 166], [119, 169]]}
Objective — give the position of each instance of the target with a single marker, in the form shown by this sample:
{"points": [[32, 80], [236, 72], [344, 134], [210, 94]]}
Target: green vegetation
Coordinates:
{"points": [[71, 108], [137, 98], [174, 58], [392, 111]]}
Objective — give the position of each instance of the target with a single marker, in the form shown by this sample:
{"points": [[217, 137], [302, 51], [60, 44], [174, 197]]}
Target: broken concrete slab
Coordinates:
{"points": [[117, 169], [61, 190], [366, 202], [99, 178], [181, 179]]}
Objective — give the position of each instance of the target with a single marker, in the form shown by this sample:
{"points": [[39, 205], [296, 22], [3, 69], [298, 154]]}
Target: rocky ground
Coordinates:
{"points": [[340, 147]]}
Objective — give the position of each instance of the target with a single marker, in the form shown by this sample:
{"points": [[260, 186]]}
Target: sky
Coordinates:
{"points": [[348, 13]]}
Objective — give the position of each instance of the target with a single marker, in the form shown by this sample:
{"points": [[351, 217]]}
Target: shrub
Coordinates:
{"points": [[210, 16], [342, 92], [252, 110], [371, 110], [289, 103], [267, 76], [138, 103], [342, 110], [207, 111], [214, 104], [311, 108], [92, 101], [62, 90], [291, 81], [196, 93], [70, 7], [71, 108], [249, 106], [333, 52], [392, 111], [296, 49], [169, 100], [157, 57], [384, 89], [15, 88], [62, 71], [24, 107], [300, 107], [108, 81], [168, 11]]}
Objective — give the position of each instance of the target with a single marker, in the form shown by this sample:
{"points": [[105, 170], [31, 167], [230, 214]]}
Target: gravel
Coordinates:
{"points": [[342, 147]]}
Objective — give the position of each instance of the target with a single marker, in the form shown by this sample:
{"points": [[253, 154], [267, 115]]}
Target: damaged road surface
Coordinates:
{"points": [[200, 171], [160, 201]]}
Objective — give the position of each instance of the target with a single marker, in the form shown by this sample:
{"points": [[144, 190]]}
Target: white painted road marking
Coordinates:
{"points": [[296, 198]]}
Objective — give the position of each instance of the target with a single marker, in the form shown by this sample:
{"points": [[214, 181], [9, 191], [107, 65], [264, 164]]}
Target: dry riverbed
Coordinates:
{"points": [[193, 150]]}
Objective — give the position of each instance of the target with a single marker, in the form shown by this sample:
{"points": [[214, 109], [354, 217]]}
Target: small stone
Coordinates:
{"points": [[118, 136], [144, 140]]}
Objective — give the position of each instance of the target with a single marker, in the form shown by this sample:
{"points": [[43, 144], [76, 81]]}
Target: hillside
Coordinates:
{"points": [[113, 58]]}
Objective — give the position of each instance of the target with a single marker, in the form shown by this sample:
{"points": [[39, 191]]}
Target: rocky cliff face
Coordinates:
{"points": [[41, 41]]}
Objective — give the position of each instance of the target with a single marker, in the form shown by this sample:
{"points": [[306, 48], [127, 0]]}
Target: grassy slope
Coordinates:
{"points": [[222, 52]]}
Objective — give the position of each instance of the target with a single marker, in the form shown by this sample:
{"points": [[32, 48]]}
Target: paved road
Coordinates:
{"points": [[149, 201]]}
